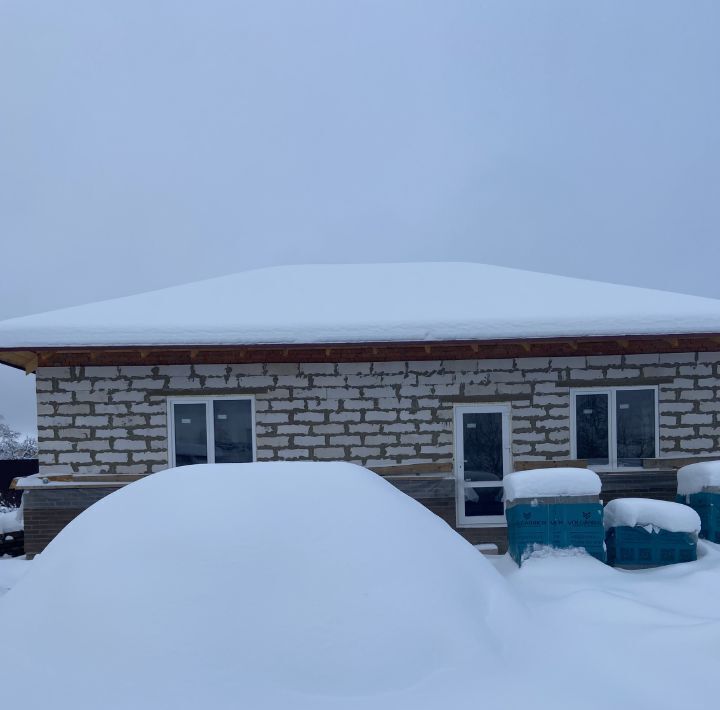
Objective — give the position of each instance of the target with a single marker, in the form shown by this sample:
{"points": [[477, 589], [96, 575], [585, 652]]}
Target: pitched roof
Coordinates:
{"points": [[365, 303]]}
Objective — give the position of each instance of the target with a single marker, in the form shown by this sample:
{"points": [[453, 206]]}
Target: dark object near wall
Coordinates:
{"points": [[48, 510], [12, 544], [10, 469]]}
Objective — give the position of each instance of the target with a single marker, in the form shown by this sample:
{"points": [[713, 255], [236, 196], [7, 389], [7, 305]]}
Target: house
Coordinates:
{"points": [[442, 377]]}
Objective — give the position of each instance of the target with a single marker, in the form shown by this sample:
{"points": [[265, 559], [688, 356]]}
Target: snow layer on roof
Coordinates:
{"points": [[697, 476], [368, 303], [642, 512], [551, 482]]}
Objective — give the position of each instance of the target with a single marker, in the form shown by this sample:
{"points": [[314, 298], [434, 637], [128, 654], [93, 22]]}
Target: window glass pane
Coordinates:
{"points": [[591, 428], [232, 420], [484, 501], [482, 446], [190, 434], [635, 416]]}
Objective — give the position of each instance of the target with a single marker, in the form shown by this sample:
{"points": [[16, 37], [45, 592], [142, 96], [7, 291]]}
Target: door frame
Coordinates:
{"points": [[459, 463], [207, 400]]}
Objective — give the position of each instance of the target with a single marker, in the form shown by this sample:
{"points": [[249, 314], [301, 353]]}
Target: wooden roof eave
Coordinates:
{"points": [[26, 360], [29, 360]]}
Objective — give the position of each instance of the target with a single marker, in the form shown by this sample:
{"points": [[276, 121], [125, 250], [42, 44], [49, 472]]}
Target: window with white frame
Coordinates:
{"points": [[211, 430], [615, 427]]}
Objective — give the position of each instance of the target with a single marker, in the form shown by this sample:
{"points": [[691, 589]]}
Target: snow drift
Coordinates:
{"points": [[321, 587], [299, 584]]}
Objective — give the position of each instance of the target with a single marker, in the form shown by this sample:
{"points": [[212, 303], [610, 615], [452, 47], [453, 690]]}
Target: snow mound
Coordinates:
{"points": [[302, 581], [697, 476], [551, 482], [641, 512]]}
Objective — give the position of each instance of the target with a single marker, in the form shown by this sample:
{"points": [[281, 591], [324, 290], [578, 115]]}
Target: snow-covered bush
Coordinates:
{"points": [[13, 445]]}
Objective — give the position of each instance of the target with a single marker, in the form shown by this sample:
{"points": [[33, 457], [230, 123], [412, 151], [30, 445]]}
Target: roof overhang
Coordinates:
{"points": [[30, 360], [21, 359]]}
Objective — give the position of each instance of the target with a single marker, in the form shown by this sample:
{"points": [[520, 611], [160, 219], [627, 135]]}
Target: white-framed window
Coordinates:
{"points": [[615, 427], [211, 429]]}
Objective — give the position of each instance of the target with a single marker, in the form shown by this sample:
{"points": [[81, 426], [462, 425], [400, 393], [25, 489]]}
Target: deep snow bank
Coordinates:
{"points": [[300, 580]]}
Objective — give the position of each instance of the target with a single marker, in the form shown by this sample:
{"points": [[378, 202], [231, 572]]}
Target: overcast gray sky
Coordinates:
{"points": [[144, 144]]}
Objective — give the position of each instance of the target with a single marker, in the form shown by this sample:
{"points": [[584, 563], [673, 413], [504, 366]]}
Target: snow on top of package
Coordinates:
{"points": [[10, 521], [368, 303], [300, 580], [693, 478], [551, 482], [642, 512]]}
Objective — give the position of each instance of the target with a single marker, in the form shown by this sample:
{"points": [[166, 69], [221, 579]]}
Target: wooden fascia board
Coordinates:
{"points": [[358, 352]]}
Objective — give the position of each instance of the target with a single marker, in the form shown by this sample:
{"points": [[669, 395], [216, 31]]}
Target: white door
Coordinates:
{"points": [[482, 458]]}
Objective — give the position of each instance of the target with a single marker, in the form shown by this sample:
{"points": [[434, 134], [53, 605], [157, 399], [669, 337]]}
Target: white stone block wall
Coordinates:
{"points": [[113, 419]]}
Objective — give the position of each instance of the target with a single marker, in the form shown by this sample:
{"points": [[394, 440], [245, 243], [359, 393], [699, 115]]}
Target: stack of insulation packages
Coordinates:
{"points": [[699, 487], [642, 533], [560, 508], [554, 508]]}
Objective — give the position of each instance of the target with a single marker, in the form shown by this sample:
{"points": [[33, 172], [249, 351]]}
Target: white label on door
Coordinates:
{"points": [[624, 406], [471, 425], [186, 421]]}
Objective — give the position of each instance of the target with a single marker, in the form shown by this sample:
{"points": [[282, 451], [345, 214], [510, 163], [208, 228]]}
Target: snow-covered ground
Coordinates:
{"points": [[11, 570], [628, 639], [322, 586]]}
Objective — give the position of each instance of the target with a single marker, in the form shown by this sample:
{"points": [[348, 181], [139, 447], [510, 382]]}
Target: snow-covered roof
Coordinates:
{"points": [[368, 303]]}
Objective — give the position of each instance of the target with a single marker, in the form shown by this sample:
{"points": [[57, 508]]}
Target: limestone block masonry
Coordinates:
{"points": [[114, 419]]}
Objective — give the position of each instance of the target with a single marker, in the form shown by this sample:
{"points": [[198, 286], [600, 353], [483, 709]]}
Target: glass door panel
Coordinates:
{"points": [[482, 459], [233, 432], [190, 433], [483, 446], [483, 501], [592, 430]]}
